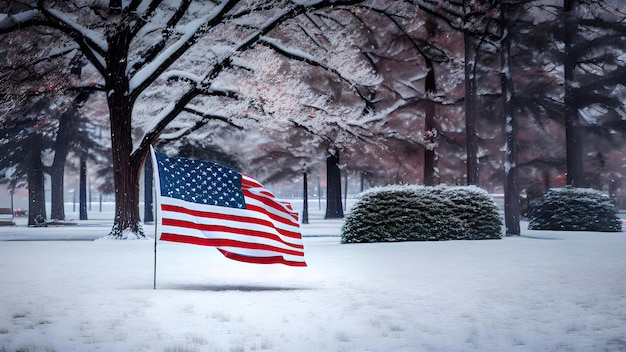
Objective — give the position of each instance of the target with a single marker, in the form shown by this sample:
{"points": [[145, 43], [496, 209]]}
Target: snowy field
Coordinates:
{"points": [[545, 291]]}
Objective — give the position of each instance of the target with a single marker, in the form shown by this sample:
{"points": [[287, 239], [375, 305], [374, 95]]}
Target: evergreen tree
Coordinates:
{"points": [[24, 136]]}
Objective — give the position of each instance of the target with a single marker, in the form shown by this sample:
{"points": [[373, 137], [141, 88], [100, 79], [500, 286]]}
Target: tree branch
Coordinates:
{"points": [[166, 33], [247, 43], [151, 71]]}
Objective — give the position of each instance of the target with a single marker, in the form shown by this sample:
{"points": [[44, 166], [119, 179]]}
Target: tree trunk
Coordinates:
{"points": [[126, 169], [57, 206], [573, 138], [345, 191], [36, 191], [362, 181], [431, 176], [305, 200], [471, 142], [511, 191], [148, 209], [68, 127], [334, 209], [319, 193], [82, 193], [430, 157]]}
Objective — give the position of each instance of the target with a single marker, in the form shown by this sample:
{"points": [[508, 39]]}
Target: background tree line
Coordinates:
{"points": [[508, 95]]}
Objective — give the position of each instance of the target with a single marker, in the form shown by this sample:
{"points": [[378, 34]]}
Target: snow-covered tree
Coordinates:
{"points": [[31, 79], [593, 34], [411, 54], [415, 54], [24, 135], [44, 72], [139, 46]]}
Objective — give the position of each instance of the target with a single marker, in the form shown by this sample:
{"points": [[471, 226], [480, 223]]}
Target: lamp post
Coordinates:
{"points": [[305, 201], [73, 199]]}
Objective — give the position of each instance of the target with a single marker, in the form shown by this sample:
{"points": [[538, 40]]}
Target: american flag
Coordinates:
{"points": [[204, 203]]}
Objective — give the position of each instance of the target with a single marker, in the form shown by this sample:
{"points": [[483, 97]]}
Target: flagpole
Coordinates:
{"points": [[155, 254], [155, 217]]}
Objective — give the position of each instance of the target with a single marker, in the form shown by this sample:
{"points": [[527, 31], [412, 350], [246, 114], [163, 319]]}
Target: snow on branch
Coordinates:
{"points": [[210, 116], [184, 76], [166, 30], [9, 22], [157, 119], [91, 37], [148, 73], [370, 78], [94, 46], [141, 76], [380, 115], [291, 53], [299, 55]]}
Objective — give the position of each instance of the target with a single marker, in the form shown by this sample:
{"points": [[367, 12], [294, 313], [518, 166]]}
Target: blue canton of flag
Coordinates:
{"points": [[200, 182]]}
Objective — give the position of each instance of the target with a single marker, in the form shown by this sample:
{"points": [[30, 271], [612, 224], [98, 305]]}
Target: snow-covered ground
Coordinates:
{"points": [[544, 291]]}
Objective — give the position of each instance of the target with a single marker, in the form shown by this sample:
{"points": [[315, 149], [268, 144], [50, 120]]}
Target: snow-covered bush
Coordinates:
{"points": [[418, 213], [574, 209], [476, 210]]}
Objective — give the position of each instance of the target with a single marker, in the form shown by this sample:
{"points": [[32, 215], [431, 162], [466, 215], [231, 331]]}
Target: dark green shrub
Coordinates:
{"points": [[417, 213], [574, 209], [477, 211]]}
